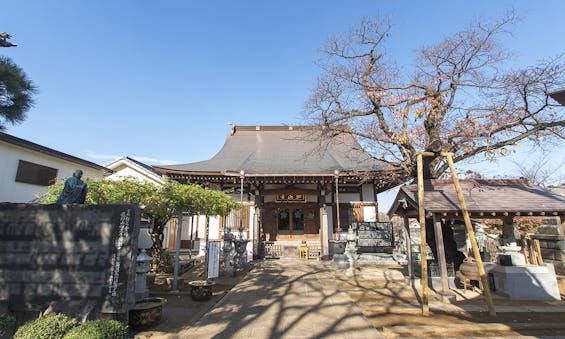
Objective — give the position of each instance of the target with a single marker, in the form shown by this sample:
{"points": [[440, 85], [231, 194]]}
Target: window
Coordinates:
{"points": [[35, 174], [348, 214]]}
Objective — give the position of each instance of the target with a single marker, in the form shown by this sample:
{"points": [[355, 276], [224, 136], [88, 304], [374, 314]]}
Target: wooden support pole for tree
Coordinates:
{"points": [[532, 252], [538, 252], [471, 233], [423, 253]]}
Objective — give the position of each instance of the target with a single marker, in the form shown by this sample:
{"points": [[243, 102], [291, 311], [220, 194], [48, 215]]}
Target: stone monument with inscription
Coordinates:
{"points": [[75, 259], [374, 236]]}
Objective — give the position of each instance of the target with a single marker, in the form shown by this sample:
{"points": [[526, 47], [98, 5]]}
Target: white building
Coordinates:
{"points": [[28, 168], [129, 168]]}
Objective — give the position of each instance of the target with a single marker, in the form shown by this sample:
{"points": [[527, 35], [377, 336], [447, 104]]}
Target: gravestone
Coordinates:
{"points": [[374, 237], [551, 236], [75, 259]]}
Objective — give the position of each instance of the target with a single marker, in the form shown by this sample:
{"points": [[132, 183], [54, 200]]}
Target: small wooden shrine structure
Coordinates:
{"points": [[485, 199]]}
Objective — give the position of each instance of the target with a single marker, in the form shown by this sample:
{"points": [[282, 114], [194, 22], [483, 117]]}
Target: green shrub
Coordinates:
{"points": [[99, 329], [6, 321], [52, 326]]}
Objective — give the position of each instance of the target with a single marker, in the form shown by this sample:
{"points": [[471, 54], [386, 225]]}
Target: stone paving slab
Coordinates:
{"points": [[281, 299]]}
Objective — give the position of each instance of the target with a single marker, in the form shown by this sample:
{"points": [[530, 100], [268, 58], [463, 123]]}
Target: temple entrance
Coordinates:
{"points": [[291, 221]]}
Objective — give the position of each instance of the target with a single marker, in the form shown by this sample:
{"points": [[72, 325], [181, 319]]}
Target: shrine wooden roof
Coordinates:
{"points": [[281, 151], [484, 198]]}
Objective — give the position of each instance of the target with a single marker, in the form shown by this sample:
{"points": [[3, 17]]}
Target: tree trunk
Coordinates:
{"points": [[162, 262]]}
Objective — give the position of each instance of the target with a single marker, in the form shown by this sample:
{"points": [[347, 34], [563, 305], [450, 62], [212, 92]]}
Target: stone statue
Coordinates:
{"points": [[74, 191]]}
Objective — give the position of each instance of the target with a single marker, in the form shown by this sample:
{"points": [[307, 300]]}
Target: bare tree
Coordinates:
{"points": [[541, 171], [457, 98]]}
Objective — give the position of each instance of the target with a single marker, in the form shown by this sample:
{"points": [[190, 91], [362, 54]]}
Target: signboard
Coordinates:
{"points": [[374, 236], [290, 198], [213, 259]]}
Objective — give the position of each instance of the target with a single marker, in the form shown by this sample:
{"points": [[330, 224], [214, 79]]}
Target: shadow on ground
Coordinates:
{"points": [[291, 298], [393, 306]]}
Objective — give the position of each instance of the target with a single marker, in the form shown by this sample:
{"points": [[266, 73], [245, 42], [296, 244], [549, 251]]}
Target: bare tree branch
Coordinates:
{"points": [[459, 97]]}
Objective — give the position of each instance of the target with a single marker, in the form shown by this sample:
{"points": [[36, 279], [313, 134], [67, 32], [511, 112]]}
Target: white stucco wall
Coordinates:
{"points": [[12, 191], [126, 170], [370, 213], [214, 225]]}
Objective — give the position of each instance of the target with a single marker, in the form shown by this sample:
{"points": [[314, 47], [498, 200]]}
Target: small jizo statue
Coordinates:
{"points": [[74, 191]]}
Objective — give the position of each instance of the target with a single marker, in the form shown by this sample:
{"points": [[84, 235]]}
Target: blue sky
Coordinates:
{"points": [[161, 80]]}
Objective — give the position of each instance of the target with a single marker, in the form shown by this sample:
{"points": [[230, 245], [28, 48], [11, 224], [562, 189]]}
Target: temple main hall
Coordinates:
{"points": [[295, 187]]}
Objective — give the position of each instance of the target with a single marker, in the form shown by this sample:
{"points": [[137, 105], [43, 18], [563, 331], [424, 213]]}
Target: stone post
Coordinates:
{"points": [[508, 231]]}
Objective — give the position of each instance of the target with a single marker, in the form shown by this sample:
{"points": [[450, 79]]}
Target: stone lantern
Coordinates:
{"points": [[351, 251], [240, 258], [143, 264], [227, 250]]}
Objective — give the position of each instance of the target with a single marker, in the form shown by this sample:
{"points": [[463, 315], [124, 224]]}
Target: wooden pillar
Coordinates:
{"points": [[423, 253], [290, 222], [325, 232], [408, 248], [207, 232], [191, 234], [322, 230], [440, 250], [197, 230]]}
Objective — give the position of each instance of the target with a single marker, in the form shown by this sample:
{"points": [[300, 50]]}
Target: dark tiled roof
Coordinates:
{"points": [[559, 96], [139, 163], [280, 150], [481, 196], [49, 151]]}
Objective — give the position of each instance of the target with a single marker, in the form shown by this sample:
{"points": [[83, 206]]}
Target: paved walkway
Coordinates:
{"points": [[284, 299]]}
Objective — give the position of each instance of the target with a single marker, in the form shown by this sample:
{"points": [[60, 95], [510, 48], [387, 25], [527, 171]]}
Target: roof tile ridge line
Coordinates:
{"points": [[142, 164], [115, 161], [147, 168], [242, 164], [271, 128], [50, 151], [335, 160]]}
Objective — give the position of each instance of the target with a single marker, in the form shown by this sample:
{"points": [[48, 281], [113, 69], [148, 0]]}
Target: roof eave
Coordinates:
{"points": [[51, 152]]}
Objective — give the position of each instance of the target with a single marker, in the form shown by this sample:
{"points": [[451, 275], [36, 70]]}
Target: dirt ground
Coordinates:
{"points": [[390, 302]]}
